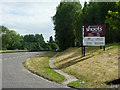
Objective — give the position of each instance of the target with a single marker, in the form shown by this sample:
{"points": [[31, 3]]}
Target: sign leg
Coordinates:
{"points": [[84, 50], [104, 48]]}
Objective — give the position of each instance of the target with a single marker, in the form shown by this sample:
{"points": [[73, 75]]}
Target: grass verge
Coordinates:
{"points": [[40, 65], [96, 67], [14, 52]]}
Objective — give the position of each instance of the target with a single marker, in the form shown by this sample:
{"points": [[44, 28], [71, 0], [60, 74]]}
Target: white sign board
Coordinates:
{"points": [[94, 41]]}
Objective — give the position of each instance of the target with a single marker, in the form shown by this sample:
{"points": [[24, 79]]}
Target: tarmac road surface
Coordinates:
{"points": [[14, 75]]}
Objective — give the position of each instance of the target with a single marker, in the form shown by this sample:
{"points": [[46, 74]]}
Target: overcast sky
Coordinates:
{"points": [[28, 17]]}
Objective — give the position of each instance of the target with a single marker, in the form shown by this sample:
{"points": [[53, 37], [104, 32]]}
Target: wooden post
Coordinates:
{"points": [[104, 48], [84, 50]]}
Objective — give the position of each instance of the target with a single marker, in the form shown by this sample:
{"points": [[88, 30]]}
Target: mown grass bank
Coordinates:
{"points": [[40, 65], [96, 67]]}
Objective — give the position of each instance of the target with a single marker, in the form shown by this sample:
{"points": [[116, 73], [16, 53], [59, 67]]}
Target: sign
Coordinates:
{"points": [[94, 35]]}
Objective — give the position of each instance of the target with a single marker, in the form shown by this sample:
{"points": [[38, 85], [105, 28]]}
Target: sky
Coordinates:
{"points": [[29, 17]]}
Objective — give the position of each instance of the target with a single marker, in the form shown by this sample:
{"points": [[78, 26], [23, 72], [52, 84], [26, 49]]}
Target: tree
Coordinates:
{"points": [[78, 23], [39, 38], [95, 13], [50, 40], [63, 21], [48, 47], [15, 41], [113, 19], [10, 39], [5, 37], [34, 42], [54, 46]]}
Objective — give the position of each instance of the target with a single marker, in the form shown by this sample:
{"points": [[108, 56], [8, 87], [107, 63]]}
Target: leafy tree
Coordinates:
{"points": [[113, 19], [39, 38], [95, 13], [15, 41], [34, 42], [48, 47], [63, 21], [54, 46], [51, 39], [29, 38], [5, 37], [10, 39], [78, 23]]}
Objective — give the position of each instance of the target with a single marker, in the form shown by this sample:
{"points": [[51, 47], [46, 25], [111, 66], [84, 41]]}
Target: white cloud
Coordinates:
{"points": [[30, 0], [28, 17], [28, 12]]}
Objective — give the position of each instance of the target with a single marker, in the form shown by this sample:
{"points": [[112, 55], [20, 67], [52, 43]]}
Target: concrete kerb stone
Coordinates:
{"points": [[69, 78]]}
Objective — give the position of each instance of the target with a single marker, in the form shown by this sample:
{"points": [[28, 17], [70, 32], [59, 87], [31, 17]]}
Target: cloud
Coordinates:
{"points": [[30, 0], [27, 17], [27, 12]]}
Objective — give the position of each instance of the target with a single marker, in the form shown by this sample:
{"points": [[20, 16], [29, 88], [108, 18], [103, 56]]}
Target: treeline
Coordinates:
{"points": [[70, 17], [11, 41]]}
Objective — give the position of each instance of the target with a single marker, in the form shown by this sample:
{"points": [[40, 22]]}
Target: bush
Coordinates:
{"points": [[40, 48], [48, 48], [54, 46], [4, 49]]}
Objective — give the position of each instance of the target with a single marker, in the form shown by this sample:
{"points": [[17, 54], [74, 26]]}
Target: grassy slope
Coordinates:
{"points": [[96, 67], [40, 66]]}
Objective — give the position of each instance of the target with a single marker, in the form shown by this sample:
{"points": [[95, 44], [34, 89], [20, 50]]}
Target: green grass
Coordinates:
{"points": [[86, 84], [96, 67], [40, 65]]}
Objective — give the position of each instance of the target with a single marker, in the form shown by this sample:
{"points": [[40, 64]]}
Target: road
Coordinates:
{"points": [[14, 75]]}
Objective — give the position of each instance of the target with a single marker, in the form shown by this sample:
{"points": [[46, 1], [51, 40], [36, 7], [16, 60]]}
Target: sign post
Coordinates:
{"points": [[93, 35]]}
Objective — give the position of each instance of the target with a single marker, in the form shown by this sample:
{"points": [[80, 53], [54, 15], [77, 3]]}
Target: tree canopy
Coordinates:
{"points": [[64, 22], [11, 41], [70, 17], [68, 21]]}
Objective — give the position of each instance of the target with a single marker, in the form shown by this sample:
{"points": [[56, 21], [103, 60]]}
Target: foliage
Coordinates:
{"points": [[113, 19], [70, 17], [54, 46], [48, 47], [15, 42], [34, 42], [11, 41], [95, 13], [68, 22], [63, 21], [78, 27], [50, 40]]}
